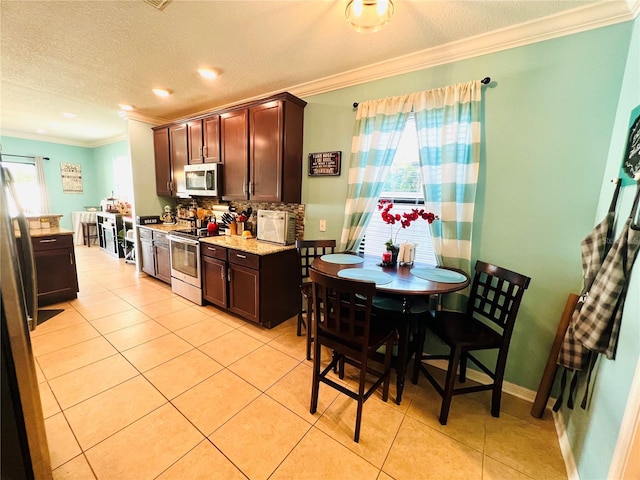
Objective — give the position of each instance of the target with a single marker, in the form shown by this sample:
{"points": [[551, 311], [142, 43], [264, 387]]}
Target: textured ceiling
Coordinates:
{"points": [[88, 56]]}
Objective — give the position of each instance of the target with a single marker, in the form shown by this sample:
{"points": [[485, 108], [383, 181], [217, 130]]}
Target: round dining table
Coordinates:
{"points": [[404, 285]]}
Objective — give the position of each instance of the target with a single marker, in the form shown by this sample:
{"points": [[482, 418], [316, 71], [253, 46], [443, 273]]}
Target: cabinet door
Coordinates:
{"points": [[57, 277], [163, 260], [162, 161], [214, 281], [244, 294], [147, 256], [265, 147], [194, 129], [211, 134], [179, 157], [234, 138]]}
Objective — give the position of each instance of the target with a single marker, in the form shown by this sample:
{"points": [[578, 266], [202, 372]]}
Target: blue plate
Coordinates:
{"points": [[438, 275], [342, 258], [366, 275]]}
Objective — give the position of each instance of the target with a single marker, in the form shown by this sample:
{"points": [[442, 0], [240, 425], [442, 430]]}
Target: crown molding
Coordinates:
{"points": [[153, 120], [589, 17], [63, 141]]}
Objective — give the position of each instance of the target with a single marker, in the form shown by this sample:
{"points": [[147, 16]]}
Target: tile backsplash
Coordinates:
{"points": [[296, 208]]}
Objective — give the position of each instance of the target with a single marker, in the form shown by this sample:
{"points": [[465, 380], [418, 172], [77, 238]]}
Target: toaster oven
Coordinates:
{"points": [[276, 227]]}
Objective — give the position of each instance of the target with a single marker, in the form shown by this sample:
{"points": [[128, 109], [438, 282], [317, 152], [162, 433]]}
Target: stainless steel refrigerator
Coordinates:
{"points": [[24, 449]]}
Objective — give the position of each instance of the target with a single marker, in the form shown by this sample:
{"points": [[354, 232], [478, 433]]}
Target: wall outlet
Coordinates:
{"points": [[323, 225]]}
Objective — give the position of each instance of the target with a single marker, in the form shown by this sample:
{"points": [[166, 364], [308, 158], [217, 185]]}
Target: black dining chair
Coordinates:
{"points": [[487, 324], [345, 324], [309, 250]]}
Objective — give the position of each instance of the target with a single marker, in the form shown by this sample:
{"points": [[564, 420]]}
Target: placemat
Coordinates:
{"points": [[438, 275], [342, 258], [366, 274]]}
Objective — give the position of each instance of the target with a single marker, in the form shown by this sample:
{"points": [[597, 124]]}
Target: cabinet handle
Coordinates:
{"points": [[244, 188], [240, 256], [200, 151], [71, 258], [169, 186], [205, 150], [222, 274], [253, 188], [48, 240], [229, 274], [212, 249]]}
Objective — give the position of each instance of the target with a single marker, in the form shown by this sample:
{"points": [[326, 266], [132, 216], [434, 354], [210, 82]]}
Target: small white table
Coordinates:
{"points": [[76, 219]]}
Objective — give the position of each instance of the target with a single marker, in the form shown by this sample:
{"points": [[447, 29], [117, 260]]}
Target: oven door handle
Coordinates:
{"points": [[183, 240]]}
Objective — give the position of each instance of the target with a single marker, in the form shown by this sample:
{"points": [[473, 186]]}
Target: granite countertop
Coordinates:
{"points": [[236, 242], [47, 232], [249, 245]]}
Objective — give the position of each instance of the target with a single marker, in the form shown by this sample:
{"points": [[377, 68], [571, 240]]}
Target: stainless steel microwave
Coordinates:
{"points": [[276, 227], [203, 179]]}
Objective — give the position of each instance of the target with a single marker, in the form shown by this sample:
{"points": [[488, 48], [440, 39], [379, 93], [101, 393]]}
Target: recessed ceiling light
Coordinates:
{"points": [[69, 115], [161, 92], [125, 107], [208, 73], [41, 130]]}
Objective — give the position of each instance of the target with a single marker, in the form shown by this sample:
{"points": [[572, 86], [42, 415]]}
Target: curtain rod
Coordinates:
{"points": [[484, 81], [23, 156]]}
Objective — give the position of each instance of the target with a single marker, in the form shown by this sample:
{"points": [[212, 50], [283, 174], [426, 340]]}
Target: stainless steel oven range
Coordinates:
{"points": [[184, 250]]}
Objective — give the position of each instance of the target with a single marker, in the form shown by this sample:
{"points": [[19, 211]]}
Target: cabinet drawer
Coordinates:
{"points": [[145, 233], [52, 242], [213, 251], [245, 259], [160, 238]]}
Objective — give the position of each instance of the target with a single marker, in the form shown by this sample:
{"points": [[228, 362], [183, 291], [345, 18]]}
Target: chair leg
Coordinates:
{"points": [[463, 368], [387, 370], [449, 385], [309, 327], [315, 387], [300, 322], [496, 395], [417, 359], [361, 388]]}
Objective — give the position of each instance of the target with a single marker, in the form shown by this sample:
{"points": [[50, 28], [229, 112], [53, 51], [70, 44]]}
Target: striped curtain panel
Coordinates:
{"points": [[377, 132], [448, 120]]}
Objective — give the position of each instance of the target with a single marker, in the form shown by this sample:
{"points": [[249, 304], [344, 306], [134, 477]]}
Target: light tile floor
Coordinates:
{"points": [[137, 383]]}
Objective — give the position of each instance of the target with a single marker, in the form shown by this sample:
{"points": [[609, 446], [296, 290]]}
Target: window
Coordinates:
{"points": [[25, 179], [403, 187]]}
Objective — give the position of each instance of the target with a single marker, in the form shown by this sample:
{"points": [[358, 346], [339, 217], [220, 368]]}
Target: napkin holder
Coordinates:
{"points": [[407, 254]]}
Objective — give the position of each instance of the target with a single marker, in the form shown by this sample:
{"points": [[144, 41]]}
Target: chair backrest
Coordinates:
{"points": [[342, 308], [309, 250], [496, 294]]}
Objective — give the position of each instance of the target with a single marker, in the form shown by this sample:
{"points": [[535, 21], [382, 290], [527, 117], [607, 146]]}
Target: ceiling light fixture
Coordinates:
{"points": [[125, 107], [368, 16], [208, 73], [69, 115], [161, 92]]}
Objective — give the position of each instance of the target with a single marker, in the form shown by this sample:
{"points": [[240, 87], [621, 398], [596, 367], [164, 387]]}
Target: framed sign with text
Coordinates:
{"points": [[630, 168], [324, 163]]}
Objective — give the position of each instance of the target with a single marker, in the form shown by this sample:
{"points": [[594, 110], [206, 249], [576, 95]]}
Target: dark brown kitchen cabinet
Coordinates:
{"points": [[214, 274], [244, 285], [179, 154], [56, 272], [234, 148], [154, 254], [263, 289], [162, 161], [204, 140], [261, 148]]}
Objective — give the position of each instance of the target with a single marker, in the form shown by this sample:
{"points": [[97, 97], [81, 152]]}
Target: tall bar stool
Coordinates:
{"points": [[89, 232]]}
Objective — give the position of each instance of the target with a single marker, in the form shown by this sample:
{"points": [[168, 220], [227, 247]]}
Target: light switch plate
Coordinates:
{"points": [[323, 225]]}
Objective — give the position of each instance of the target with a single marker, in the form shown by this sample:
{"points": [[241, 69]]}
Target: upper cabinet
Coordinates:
{"points": [[162, 161], [259, 143], [204, 140], [261, 148]]}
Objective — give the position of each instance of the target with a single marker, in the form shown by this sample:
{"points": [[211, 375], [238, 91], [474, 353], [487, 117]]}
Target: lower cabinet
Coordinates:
{"points": [[56, 272], [154, 254], [214, 274], [263, 289]]}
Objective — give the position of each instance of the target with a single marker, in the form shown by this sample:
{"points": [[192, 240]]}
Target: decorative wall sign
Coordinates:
{"points": [[630, 168], [71, 177], [324, 163]]}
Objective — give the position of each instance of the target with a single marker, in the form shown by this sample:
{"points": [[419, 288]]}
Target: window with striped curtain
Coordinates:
{"points": [[403, 188]]}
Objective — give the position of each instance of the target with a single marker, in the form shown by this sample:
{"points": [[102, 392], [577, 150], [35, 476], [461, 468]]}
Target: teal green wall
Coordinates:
{"points": [[593, 433], [96, 165], [548, 122]]}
